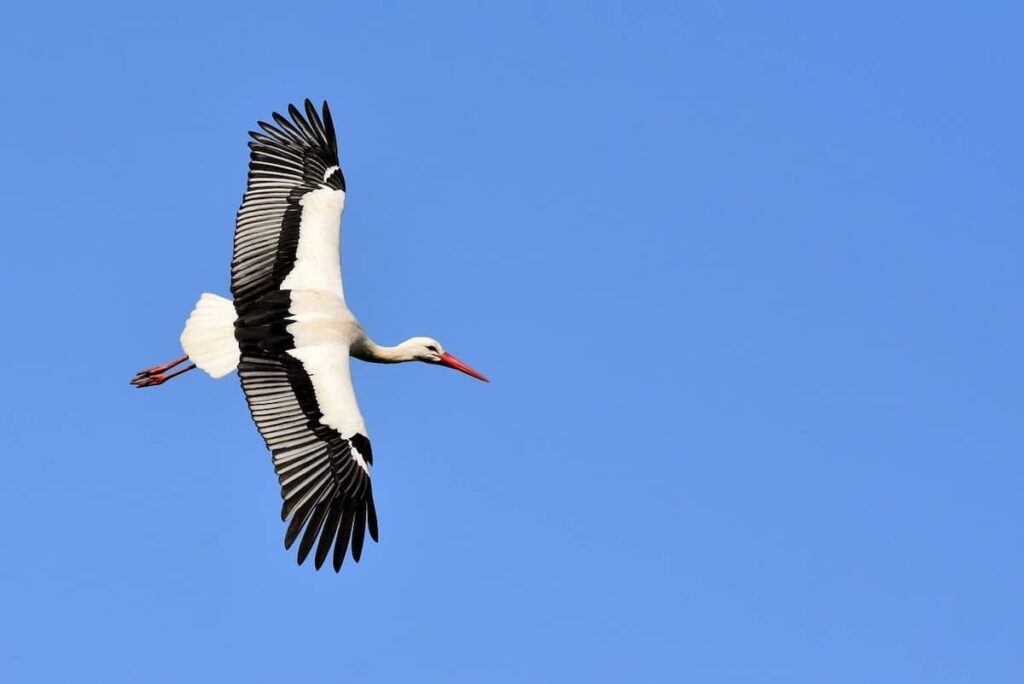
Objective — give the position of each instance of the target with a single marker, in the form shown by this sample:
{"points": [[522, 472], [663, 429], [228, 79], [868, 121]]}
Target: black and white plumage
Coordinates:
{"points": [[296, 187], [290, 334], [291, 165]]}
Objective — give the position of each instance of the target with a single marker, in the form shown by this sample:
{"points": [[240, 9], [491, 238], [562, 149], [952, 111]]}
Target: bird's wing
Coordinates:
{"points": [[295, 373], [288, 228]]}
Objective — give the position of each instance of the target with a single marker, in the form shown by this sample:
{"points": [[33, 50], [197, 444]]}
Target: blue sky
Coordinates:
{"points": [[746, 279]]}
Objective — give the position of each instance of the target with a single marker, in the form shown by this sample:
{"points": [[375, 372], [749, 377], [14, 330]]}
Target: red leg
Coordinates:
{"points": [[161, 369], [151, 377]]}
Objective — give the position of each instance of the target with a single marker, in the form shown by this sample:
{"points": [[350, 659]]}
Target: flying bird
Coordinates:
{"points": [[290, 334]]}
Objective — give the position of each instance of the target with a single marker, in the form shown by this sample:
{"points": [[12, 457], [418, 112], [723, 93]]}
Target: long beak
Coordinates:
{"points": [[452, 362]]}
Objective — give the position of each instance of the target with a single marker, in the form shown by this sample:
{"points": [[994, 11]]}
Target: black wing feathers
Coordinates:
{"points": [[287, 160], [326, 494]]}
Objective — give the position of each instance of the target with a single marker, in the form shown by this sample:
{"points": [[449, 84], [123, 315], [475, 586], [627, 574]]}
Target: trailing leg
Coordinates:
{"points": [[151, 377]]}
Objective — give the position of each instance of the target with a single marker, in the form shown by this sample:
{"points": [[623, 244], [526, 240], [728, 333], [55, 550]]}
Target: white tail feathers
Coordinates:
{"points": [[209, 335]]}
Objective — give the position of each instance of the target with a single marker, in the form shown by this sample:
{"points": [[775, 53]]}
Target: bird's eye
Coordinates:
{"points": [[432, 348]]}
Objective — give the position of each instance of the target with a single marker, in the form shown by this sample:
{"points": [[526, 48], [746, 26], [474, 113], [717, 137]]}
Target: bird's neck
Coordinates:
{"points": [[368, 350]]}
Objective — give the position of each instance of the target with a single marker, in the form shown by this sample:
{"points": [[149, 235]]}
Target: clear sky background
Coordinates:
{"points": [[747, 279]]}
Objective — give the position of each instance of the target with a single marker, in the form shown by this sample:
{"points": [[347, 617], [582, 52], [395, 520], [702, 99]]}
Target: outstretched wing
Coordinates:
{"points": [[296, 378], [287, 230]]}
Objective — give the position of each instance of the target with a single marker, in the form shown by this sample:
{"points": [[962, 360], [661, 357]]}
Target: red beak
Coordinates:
{"points": [[452, 362]]}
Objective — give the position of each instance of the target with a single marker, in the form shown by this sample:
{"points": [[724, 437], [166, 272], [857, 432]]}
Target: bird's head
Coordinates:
{"points": [[429, 350]]}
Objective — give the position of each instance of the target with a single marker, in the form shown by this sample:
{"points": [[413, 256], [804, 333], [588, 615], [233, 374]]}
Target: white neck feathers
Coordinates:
{"points": [[368, 350]]}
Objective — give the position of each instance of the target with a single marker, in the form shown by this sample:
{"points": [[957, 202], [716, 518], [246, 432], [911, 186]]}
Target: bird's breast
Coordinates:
{"points": [[319, 318]]}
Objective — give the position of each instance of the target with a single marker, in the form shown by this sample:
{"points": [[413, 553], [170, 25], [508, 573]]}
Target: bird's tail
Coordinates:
{"points": [[209, 335]]}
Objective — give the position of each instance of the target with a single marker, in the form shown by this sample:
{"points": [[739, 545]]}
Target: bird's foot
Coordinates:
{"points": [[145, 379]]}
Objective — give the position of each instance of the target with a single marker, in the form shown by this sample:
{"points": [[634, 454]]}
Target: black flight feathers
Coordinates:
{"points": [[287, 160], [309, 135], [326, 494]]}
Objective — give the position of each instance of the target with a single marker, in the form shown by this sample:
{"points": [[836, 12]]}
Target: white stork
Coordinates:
{"points": [[290, 335]]}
